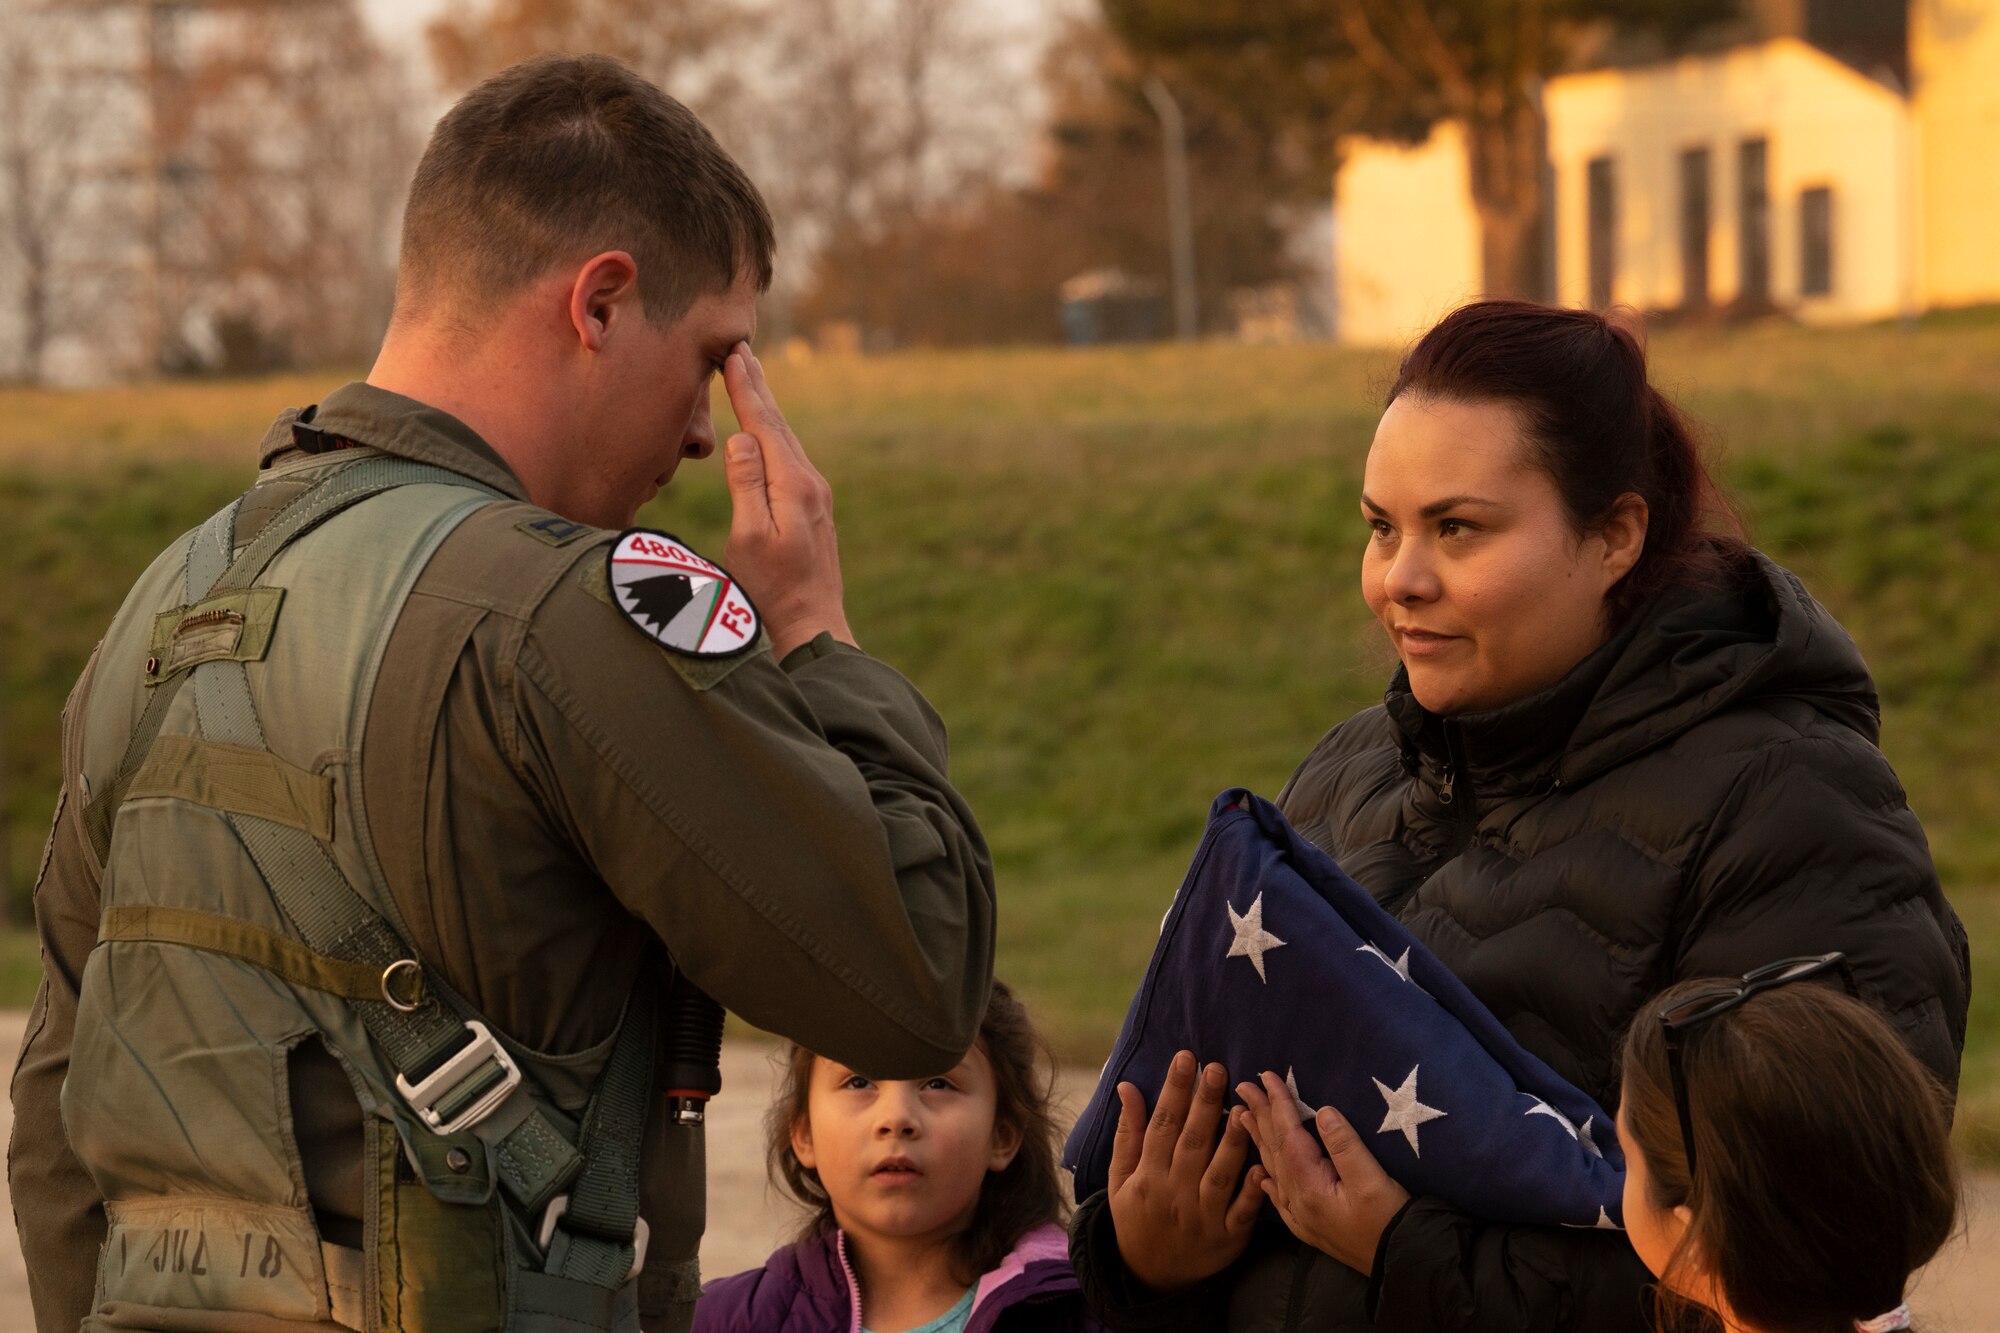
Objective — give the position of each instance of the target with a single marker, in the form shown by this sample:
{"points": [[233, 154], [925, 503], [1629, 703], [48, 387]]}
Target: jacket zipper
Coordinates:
{"points": [[1465, 813], [853, 1283]]}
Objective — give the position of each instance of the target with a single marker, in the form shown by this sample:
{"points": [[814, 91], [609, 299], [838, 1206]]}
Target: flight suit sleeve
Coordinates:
{"points": [[57, 1209], [789, 831]]}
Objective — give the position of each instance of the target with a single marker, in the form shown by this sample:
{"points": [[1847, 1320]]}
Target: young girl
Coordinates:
{"points": [[935, 1203], [1822, 1175]]}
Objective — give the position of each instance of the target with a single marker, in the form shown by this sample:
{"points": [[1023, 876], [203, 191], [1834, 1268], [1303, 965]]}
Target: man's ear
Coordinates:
{"points": [[1006, 1142], [802, 1144], [604, 293], [1624, 536]]}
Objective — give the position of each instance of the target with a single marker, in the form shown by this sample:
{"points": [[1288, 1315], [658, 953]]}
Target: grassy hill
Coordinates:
{"points": [[1128, 580]]}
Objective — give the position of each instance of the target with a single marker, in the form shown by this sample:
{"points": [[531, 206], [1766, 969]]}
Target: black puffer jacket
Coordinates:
{"points": [[1700, 796]]}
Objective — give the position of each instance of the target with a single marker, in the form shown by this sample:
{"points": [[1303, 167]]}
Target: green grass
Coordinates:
{"points": [[1978, 1126], [20, 968], [1127, 579]]}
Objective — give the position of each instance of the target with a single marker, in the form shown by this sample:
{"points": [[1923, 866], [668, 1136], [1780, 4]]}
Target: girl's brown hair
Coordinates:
{"points": [[1595, 425], [1824, 1175], [1013, 1202]]}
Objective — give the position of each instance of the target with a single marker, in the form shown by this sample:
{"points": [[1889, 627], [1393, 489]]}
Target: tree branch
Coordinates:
{"points": [[1460, 93], [1533, 44], [1374, 54]]}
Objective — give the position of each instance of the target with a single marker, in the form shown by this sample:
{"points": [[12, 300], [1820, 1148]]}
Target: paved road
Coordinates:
{"points": [[1960, 1293]]}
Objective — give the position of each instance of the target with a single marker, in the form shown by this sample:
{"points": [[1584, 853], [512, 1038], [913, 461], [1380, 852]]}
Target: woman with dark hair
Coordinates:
{"points": [[1623, 749]]}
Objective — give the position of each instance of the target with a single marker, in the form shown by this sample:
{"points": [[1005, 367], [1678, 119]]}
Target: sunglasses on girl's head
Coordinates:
{"points": [[1698, 1008]]}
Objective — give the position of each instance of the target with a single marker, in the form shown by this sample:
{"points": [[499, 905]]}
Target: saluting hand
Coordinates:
{"points": [[1175, 1202], [782, 546], [1341, 1206]]}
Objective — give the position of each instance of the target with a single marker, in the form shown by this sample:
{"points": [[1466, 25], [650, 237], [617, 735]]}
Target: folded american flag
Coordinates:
{"points": [[1272, 958]]}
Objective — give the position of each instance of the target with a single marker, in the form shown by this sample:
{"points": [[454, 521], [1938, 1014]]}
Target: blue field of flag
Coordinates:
{"points": [[1272, 958]]}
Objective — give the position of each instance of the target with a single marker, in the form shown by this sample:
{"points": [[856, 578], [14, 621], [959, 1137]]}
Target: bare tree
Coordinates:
{"points": [[199, 183], [823, 164], [857, 117], [283, 152], [890, 113], [60, 209], [684, 46]]}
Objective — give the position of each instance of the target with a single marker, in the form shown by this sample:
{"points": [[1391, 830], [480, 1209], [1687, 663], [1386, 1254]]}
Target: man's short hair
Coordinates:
{"points": [[562, 157]]}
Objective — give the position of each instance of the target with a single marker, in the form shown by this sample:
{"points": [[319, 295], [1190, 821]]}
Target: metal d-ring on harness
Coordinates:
{"points": [[450, 1069], [393, 993]]}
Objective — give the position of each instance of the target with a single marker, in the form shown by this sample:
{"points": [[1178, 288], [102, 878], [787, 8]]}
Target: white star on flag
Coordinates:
{"points": [[1252, 940], [1298, 1102], [1400, 966], [1543, 1108], [1582, 1136], [1405, 1111], [1603, 1223]]}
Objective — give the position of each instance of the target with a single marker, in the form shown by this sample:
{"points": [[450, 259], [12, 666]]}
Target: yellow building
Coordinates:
{"points": [[1955, 64], [1406, 238], [1768, 174]]}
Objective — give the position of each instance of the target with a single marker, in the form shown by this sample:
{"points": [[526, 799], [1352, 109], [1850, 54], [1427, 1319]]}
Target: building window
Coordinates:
{"points": [[1603, 213], [1694, 228], [1816, 241], [1753, 219]]}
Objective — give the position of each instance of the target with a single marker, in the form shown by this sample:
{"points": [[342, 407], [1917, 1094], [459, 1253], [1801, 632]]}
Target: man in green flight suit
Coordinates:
{"points": [[405, 800]]}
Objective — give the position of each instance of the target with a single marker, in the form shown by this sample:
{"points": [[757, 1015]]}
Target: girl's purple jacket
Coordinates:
{"points": [[809, 1288]]}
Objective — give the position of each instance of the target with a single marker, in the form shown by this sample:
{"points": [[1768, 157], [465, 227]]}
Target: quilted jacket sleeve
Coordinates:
{"points": [[1437, 1271], [1441, 1271], [1815, 849]]}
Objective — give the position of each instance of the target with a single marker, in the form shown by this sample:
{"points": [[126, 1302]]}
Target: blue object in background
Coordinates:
{"points": [[1272, 958]]}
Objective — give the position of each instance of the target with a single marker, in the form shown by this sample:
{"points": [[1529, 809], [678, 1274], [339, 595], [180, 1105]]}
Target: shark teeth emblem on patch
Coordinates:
{"points": [[677, 598]]}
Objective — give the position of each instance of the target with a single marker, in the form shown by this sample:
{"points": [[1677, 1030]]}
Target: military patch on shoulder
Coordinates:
{"points": [[678, 599], [555, 531]]}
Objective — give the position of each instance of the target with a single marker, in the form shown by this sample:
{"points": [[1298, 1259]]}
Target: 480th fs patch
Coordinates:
{"points": [[677, 598]]}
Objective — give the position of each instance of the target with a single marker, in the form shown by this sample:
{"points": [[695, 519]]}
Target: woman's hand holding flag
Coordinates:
{"points": [[1341, 1206]]}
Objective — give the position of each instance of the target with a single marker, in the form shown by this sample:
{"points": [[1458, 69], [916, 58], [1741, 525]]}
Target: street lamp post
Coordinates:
{"points": [[1180, 218]]}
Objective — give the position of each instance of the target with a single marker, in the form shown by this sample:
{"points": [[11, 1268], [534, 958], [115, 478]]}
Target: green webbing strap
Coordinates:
{"points": [[593, 1242], [532, 1157], [335, 492], [238, 778], [277, 954]]}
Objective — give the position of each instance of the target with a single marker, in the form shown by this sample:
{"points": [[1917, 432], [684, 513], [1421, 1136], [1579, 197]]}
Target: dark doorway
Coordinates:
{"points": [[1603, 213], [1816, 241], [1753, 221], [1694, 228]]}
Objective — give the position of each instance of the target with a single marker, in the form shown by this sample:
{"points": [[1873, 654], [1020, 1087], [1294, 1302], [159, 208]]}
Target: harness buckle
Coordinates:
{"points": [[466, 1088], [641, 1233]]}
